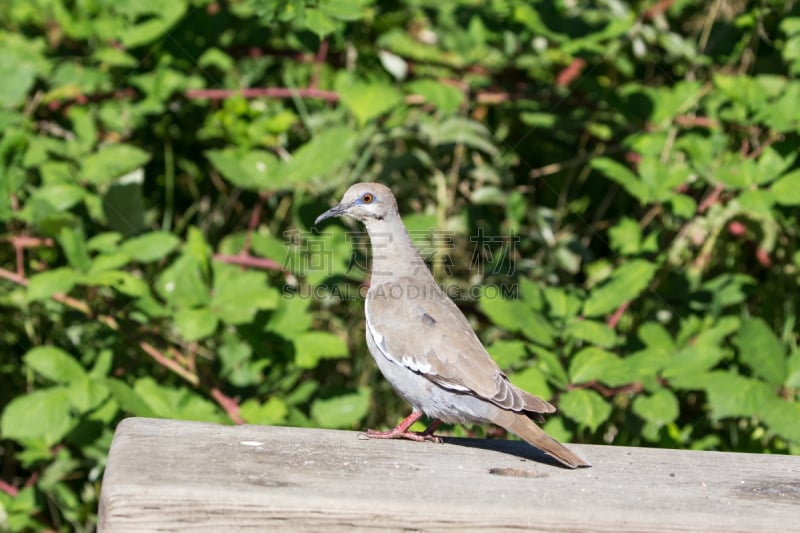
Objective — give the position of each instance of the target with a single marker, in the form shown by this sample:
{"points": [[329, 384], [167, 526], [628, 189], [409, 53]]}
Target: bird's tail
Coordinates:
{"points": [[522, 426]]}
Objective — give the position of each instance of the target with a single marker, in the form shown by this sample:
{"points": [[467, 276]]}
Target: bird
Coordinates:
{"points": [[424, 345]]}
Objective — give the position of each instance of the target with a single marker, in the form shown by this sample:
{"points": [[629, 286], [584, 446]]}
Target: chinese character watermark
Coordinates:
{"points": [[321, 253]]}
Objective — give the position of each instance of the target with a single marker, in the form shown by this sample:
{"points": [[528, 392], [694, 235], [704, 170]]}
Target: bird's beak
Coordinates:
{"points": [[336, 211]]}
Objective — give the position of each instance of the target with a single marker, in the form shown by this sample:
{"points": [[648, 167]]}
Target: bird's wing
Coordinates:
{"points": [[415, 324]]}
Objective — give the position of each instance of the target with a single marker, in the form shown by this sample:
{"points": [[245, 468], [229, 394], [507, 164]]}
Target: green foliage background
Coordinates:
{"points": [[632, 165]]}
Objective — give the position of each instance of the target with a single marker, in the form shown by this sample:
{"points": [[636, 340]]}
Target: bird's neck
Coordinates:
{"points": [[393, 253]]}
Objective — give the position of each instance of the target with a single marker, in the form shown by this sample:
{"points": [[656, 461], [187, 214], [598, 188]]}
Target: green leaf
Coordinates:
{"points": [[507, 353], [732, 395], [756, 202], [320, 157], [320, 23], [60, 196], [150, 246], [626, 236], [516, 316], [102, 365], [128, 399], [19, 68], [621, 174], [781, 417], [290, 317], [585, 407], [45, 284], [195, 324], [550, 365], [17, 512], [592, 331], [793, 370], [445, 98], [106, 262], [345, 9], [531, 294], [685, 370], [273, 411], [528, 15], [238, 295], [105, 242], [113, 57], [761, 350], [592, 364], [73, 243], [683, 206], [254, 170], [86, 394], [626, 283], [182, 284], [459, 130], [313, 346], [40, 416], [660, 408], [342, 411], [123, 203], [560, 303], [369, 100], [178, 403], [532, 380], [654, 335], [157, 23], [111, 162], [54, 364], [238, 366], [786, 191], [124, 282]]}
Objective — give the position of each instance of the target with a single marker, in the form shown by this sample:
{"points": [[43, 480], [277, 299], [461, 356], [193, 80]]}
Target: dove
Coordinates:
{"points": [[424, 345]]}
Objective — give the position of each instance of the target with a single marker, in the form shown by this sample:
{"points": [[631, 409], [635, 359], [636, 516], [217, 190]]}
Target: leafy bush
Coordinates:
{"points": [[609, 192]]}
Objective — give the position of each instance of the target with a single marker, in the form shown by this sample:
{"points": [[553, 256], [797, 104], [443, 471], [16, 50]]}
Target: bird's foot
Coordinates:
{"points": [[401, 431], [396, 434]]}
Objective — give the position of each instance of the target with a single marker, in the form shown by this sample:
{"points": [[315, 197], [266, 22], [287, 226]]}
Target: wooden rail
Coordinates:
{"points": [[167, 475]]}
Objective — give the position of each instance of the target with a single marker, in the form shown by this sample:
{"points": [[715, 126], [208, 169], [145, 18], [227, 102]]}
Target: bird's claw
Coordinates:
{"points": [[395, 434]]}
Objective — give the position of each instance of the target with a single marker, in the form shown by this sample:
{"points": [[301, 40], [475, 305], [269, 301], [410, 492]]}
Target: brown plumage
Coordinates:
{"points": [[423, 344]]}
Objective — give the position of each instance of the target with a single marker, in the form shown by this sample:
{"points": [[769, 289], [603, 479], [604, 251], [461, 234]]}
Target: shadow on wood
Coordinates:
{"points": [[516, 448], [166, 475]]}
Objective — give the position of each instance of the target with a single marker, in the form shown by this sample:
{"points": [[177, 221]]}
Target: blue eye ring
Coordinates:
{"points": [[367, 198]]}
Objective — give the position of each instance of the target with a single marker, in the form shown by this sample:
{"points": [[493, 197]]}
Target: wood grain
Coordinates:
{"points": [[167, 475]]}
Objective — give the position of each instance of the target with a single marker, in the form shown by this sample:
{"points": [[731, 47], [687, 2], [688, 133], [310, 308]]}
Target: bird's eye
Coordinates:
{"points": [[367, 198]]}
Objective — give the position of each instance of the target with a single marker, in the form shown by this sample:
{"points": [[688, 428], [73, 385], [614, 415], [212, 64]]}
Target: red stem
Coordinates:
{"points": [[249, 260], [711, 199], [229, 404], [322, 53], [269, 92], [614, 319], [11, 490]]}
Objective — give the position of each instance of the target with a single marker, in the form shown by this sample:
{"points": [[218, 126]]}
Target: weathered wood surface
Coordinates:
{"points": [[166, 475]]}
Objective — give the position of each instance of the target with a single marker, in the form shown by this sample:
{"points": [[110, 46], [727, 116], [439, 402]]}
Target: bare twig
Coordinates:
{"points": [[711, 199], [250, 261], [78, 305], [228, 404], [614, 319], [24, 241], [319, 60], [268, 92], [657, 9], [168, 363], [11, 490], [569, 74], [255, 218]]}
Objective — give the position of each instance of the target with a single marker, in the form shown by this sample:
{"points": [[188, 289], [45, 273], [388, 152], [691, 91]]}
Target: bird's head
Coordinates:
{"points": [[364, 202]]}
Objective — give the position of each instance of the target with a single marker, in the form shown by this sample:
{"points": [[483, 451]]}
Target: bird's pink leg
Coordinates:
{"points": [[402, 432]]}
